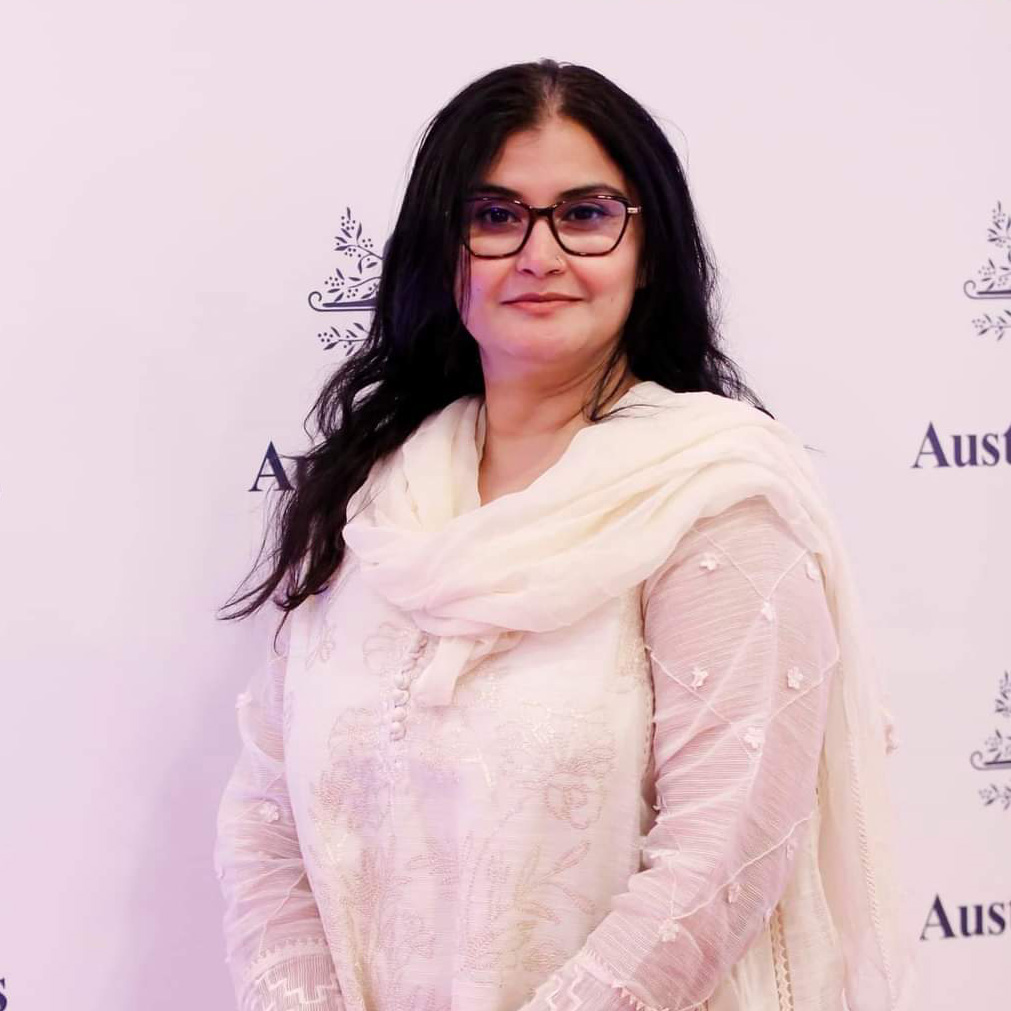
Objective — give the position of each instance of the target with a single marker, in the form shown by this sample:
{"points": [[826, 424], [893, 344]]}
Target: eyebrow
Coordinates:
{"points": [[577, 191]]}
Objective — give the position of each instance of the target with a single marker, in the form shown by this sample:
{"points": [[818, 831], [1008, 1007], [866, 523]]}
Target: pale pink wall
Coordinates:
{"points": [[173, 177]]}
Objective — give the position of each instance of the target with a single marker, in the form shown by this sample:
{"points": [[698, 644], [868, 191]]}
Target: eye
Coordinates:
{"points": [[591, 215], [496, 214], [489, 214], [584, 212]]}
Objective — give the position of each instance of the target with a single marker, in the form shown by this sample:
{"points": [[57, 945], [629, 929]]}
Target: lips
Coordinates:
{"points": [[541, 307], [534, 301]]}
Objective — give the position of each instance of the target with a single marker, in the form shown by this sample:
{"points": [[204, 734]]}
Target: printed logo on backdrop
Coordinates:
{"points": [[349, 295], [349, 292], [995, 757], [993, 280], [992, 285]]}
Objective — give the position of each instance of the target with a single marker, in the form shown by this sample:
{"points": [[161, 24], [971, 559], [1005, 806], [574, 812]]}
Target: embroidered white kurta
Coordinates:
{"points": [[622, 812]]}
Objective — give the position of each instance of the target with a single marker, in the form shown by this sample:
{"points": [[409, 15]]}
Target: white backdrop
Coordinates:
{"points": [[173, 177]]}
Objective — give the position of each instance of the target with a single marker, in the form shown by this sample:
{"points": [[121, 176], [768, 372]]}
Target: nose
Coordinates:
{"points": [[541, 253]]}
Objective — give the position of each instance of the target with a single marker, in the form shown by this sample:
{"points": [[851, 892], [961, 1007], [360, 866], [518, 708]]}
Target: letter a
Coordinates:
{"points": [[937, 909], [935, 447], [271, 466]]}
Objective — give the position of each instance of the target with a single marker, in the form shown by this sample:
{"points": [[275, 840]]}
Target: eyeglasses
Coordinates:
{"points": [[586, 226]]}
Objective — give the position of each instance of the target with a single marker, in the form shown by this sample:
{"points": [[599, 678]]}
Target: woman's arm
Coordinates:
{"points": [[276, 948], [742, 649]]}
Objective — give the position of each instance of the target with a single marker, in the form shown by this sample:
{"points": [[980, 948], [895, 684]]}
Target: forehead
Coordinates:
{"points": [[554, 161]]}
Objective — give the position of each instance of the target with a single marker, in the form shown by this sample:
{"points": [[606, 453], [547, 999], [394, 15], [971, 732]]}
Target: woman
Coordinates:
{"points": [[575, 710]]}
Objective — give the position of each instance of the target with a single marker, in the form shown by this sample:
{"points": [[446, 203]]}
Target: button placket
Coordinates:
{"points": [[401, 693]]}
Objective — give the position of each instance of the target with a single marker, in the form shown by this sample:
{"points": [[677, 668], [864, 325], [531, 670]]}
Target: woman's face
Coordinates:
{"points": [[563, 338]]}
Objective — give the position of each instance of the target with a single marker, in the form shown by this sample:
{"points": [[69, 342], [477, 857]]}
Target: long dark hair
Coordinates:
{"points": [[418, 357]]}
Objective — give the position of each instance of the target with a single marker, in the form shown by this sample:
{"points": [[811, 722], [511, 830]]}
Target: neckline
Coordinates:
{"points": [[482, 421], [481, 430]]}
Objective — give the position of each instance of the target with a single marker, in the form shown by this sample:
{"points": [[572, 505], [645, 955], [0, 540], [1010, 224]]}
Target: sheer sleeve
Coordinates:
{"points": [[276, 948], [742, 648]]}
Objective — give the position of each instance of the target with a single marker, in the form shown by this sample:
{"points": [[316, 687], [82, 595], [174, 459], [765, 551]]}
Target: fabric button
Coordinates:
{"points": [[397, 731], [400, 696], [401, 680], [812, 570], [399, 714]]}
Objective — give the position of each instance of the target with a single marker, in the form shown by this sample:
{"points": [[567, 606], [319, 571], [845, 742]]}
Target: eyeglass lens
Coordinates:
{"points": [[585, 225]]}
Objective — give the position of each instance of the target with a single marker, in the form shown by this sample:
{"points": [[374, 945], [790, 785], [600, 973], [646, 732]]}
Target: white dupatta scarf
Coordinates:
{"points": [[600, 520]]}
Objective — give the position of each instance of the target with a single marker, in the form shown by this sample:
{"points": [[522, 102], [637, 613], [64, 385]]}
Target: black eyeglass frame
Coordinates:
{"points": [[548, 212]]}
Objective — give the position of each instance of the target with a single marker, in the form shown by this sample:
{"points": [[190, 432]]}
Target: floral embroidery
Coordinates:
{"points": [[541, 746], [663, 853], [753, 737], [323, 643], [354, 789], [520, 901], [563, 756], [669, 929], [269, 811], [392, 647], [794, 677], [632, 669], [569, 795], [768, 611], [544, 957], [709, 561], [441, 862], [699, 676], [447, 744]]}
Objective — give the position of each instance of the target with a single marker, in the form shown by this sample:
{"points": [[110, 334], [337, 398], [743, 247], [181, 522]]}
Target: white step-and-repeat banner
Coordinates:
{"points": [[188, 189]]}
